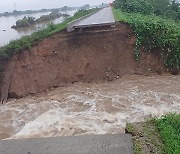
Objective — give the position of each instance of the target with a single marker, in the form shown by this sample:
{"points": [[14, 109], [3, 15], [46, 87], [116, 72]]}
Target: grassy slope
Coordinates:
{"points": [[154, 32], [169, 129], [27, 42], [159, 135]]}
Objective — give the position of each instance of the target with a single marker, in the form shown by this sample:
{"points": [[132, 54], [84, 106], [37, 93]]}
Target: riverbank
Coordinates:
{"points": [[154, 34], [27, 42], [65, 58], [157, 135], [82, 83]]}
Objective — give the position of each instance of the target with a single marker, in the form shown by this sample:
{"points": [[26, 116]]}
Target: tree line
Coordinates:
{"points": [[164, 8]]}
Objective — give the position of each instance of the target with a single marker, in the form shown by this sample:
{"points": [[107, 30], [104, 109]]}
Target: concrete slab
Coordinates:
{"points": [[100, 144], [101, 18], [104, 16]]}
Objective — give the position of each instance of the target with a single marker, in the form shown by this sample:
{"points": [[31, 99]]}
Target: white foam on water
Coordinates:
{"points": [[91, 108]]}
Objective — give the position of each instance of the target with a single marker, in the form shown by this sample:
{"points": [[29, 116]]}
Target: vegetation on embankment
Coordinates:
{"points": [[158, 135], [153, 33], [28, 21], [163, 8], [27, 42]]}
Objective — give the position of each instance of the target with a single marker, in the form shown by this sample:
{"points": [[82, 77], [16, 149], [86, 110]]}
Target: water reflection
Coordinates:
{"points": [[7, 33]]}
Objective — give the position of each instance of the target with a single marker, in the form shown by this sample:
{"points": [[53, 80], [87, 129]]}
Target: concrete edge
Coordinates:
{"points": [[94, 25], [70, 24], [107, 143]]}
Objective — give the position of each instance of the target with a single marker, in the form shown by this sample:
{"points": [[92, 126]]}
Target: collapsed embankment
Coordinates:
{"points": [[67, 58]]}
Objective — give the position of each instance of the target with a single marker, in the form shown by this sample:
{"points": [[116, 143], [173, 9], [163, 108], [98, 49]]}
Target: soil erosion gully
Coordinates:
{"points": [[110, 144]]}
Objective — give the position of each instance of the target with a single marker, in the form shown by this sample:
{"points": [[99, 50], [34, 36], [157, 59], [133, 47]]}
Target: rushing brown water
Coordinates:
{"points": [[7, 33], [90, 108]]}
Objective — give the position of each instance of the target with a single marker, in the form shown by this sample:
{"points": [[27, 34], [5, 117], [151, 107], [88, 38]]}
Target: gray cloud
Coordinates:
{"points": [[9, 5]]}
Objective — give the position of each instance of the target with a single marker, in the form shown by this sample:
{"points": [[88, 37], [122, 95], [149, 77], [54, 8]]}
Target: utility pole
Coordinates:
{"points": [[14, 6]]}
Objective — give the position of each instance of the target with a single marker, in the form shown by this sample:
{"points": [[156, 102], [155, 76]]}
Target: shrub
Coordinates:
{"points": [[154, 32], [164, 8], [169, 129]]}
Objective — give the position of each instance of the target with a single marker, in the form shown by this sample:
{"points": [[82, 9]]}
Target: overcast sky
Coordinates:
{"points": [[9, 5]]}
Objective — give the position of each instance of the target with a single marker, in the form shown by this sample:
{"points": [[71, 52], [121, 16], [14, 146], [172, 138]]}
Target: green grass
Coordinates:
{"points": [[154, 33], [136, 143], [157, 135], [153, 136], [27, 42], [169, 129]]}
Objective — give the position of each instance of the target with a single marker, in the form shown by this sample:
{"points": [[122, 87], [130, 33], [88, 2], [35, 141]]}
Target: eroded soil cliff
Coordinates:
{"points": [[90, 56]]}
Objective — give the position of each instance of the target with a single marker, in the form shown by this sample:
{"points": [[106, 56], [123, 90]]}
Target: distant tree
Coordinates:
{"points": [[65, 8], [55, 11], [25, 22], [6, 14], [160, 6], [174, 11], [141, 6], [31, 20], [15, 12], [165, 8], [85, 7]]}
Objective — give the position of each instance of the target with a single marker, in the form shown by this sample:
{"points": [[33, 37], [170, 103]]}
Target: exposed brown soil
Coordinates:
{"points": [[146, 138], [87, 57], [1, 71]]}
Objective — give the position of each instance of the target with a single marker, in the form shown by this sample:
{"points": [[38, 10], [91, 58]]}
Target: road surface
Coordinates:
{"points": [[100, 144], [101, 18]]}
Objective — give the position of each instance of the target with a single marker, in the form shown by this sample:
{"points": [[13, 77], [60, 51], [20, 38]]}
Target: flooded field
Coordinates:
{"points": [[8, 34], [90, 108]]}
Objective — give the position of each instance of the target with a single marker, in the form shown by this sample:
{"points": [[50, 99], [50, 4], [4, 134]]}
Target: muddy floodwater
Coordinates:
{"points": [[90, 108]]}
